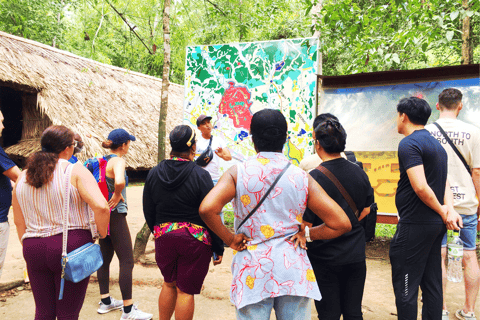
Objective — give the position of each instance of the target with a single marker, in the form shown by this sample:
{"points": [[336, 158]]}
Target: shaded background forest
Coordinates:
{"points": [[356, 35]]}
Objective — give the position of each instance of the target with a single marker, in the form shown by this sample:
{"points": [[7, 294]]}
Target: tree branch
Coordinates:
{"points": [[216, 7], [128, 24]]}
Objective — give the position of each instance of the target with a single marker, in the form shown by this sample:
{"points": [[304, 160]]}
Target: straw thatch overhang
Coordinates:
{"points": [[89, 97]]}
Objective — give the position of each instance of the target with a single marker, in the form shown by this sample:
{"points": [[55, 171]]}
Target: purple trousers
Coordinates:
{"points": [[43, 257]]}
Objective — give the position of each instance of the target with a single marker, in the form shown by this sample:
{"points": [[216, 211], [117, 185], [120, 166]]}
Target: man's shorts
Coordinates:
{"points": [[468, 234], [183, 259]]}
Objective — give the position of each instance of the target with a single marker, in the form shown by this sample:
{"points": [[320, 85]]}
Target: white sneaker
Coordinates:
{"points": [[445, 314], [114, 305], [136, 314], [465, 316]]}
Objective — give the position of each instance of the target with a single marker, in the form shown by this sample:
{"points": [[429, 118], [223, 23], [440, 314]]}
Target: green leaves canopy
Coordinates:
{"points": [[356, 35]]}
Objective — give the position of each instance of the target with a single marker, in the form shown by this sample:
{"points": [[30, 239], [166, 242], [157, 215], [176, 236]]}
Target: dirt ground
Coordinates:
{"points": [[213, 302]]}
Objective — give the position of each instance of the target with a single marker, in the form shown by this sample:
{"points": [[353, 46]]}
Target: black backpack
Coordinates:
{"points": [[370, 221]]}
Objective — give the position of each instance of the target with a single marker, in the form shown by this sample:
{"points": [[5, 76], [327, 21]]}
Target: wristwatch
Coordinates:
{"points": [[307, 234]]}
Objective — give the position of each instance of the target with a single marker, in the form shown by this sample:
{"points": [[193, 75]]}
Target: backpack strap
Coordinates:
{"points": [[454, 147], [340, 188]]}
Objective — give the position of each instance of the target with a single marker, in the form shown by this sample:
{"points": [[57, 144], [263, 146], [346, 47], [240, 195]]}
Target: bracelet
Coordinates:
{"points": [[307, 234]]}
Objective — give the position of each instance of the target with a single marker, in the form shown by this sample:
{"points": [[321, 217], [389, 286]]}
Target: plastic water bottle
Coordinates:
{"points": [[455, 257]]}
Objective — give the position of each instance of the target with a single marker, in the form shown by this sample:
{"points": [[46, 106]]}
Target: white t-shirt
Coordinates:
{"points": [[466, 138], [214, 166]]}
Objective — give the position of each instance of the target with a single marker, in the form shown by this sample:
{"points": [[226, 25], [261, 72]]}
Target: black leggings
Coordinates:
{"points": [[342, 290], [120, 242], [415, 256]]}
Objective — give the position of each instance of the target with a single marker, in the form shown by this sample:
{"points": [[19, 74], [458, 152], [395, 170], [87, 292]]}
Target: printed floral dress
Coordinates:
{"points": [[271, 266]]}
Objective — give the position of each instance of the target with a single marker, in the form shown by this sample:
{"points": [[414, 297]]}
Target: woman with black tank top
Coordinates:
{"points": [[339, 264], [118, 239]]}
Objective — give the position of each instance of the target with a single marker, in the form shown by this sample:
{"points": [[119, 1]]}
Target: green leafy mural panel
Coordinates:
{"points": [[231, 82]]}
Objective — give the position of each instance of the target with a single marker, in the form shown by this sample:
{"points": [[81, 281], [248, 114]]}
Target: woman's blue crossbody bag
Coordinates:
{"points": [[85, 260]]}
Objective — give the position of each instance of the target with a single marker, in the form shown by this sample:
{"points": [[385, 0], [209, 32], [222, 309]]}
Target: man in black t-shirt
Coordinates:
{"points": [[425, 204]]}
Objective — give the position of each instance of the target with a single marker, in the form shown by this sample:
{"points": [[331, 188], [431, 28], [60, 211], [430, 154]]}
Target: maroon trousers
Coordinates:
{"points": [[43, 257]]}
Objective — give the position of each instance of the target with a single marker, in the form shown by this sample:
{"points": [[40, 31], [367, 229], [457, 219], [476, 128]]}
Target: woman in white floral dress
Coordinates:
{"points": [[269, 269]]}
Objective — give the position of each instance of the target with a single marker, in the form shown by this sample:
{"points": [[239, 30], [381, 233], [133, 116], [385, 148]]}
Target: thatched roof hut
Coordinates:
{"points": [[41, 85]]}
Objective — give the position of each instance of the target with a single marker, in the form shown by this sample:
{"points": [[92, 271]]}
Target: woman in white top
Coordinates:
{"points": [[38, 215]]}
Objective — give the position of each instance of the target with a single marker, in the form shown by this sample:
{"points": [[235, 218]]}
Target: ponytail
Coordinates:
{"points": [[108, 144], [41, 165]]}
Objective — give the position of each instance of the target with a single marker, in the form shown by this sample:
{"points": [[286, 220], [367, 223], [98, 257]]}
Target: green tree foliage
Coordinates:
{"points": [[33, 19], [356, 35], [367, 35]]}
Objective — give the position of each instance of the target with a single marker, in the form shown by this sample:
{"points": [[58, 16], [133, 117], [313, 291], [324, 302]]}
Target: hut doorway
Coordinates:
{"points": [[11, 106]]}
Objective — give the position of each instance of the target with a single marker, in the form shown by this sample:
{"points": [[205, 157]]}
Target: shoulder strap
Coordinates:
{"points": [[66, 201], [454, 147], [265, 195], [210, 143], [340, 188]]}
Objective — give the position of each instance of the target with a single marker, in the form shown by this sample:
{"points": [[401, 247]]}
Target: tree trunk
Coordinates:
{"points": [[59, 15], [467, 48], [316, 10], [142, 236]]}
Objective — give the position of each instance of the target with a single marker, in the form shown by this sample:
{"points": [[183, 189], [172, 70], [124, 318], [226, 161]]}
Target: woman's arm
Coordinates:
{"points": [[365, 212], [119, 175], [212, 205], [18, 217], [149, 211], [91, 194]]}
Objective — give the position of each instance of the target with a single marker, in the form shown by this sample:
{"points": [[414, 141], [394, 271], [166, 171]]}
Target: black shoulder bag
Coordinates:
{"points": [[264, 196], [370, 221], [206, 155], [454, 148]]}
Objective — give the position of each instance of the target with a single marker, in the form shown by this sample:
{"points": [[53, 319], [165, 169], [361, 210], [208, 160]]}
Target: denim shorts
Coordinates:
{"points": [[468, 234], [286, 308]]}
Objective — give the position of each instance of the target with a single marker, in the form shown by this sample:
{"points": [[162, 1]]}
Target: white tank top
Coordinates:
{"points": [[42, 208]]}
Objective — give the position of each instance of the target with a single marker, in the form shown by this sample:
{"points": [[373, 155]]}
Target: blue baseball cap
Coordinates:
{"points": [[120, 136]]}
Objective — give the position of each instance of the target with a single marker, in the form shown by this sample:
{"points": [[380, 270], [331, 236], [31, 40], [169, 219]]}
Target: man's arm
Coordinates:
{"points": [[224, 153], [454, 220], [12, 173], [476, 183], [18, 218], [417, 178]]}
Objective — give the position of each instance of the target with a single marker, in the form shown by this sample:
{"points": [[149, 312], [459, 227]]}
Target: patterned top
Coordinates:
{"points": [[42, 208], [271, 266], [198, 232]]}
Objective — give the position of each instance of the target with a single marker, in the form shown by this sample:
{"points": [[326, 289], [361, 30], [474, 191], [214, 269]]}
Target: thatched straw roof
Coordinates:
{"points": [[89, 97]]}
